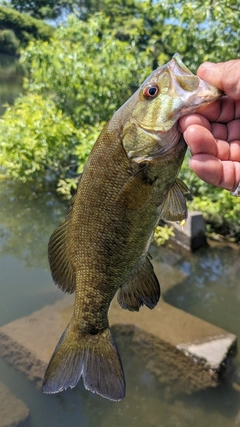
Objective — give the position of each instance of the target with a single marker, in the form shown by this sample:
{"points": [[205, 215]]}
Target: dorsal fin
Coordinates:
{"points": [[62, 271], [174, 207]]}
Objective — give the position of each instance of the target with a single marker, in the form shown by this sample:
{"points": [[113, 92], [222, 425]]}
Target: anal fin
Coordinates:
{"points": [[142, 289]]}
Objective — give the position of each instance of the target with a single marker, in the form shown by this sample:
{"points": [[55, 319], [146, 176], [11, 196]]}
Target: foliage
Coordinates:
{"points": [[90, 65], [35, 135], [203, 30], [162, 234], [220, 210], [70, 96], [199, 30], [23, 28], [9, 42], [42, 9], [87, 69], [87, 136]]}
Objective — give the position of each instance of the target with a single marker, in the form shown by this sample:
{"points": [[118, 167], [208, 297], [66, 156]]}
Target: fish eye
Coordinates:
{"points": [[151, 91]]}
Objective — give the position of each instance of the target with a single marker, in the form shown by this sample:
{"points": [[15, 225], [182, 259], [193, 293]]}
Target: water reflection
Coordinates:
{"points": [[211, 288], [147, 403], [27, 220], [11, 75]]}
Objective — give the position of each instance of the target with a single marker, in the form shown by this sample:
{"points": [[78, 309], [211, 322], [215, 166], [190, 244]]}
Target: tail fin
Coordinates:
{"points": [[94, 357]]}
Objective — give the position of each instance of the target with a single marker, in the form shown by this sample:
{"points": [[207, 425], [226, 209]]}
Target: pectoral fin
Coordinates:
{"points": [[174, 207], [137, 189], [142, 289]]}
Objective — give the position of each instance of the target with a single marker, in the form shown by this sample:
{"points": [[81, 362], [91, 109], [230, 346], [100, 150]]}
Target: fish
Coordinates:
{"points": [[129, 183]]}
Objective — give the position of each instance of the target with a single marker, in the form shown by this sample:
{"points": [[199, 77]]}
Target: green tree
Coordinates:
{"points": [[91, 65], [199, 30], [18, 29], [35, 135], [41, 9], [70, 95], [87, 70], [9, 42]]}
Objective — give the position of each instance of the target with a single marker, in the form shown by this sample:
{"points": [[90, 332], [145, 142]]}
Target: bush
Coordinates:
{"points": [[89, 72], [23, 28], [220, 210], [9, 42], [35, 136], [84, 90]]}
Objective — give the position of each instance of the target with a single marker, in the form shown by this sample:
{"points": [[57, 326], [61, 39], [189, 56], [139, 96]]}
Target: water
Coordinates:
{"points": [[210, 290], [11, 75], [26, 221], [206, 284]]}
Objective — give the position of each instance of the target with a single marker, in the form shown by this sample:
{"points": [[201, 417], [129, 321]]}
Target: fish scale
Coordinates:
{"points": [[128, 184]]}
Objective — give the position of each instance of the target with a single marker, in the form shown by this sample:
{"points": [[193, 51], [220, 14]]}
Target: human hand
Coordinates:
{"points": [[213, 134]]}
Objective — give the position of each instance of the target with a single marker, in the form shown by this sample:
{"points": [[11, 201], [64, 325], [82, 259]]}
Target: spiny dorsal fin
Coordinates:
{"points": [[174, 207], [142, 289], [62, 271]]}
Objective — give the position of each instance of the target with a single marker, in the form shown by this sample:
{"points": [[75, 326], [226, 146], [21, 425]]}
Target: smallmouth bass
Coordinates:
{"points": [[129, 182]]}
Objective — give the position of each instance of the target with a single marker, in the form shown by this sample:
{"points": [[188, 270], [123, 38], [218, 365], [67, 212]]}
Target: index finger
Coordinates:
{"points": [[223, 75]]}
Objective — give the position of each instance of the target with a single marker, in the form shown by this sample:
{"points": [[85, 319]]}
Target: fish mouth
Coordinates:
{"points": [[204, 100], [193, 91]]}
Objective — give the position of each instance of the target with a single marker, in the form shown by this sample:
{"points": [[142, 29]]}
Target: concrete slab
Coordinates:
{"points": [[164, 336], [192, 235], [13, 412], [214, 351]]}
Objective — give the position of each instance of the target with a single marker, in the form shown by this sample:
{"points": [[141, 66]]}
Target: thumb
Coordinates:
{"points": [[223, 75]]}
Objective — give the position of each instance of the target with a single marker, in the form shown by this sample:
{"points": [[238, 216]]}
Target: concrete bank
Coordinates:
{"points": [[174, 345], [13, 412], [192, 235]]}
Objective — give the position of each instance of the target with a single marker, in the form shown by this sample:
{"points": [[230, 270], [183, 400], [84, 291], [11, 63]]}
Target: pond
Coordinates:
{"points": [[210, 289], [11, 75]]}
